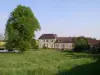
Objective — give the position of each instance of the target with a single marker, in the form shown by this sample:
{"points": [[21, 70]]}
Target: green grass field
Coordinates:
{"points": [[48, 62]]}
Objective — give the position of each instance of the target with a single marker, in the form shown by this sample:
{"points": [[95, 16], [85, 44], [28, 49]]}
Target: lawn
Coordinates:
{"points": [[49, 62]]}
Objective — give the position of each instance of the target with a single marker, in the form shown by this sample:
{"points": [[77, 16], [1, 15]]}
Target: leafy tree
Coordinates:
{"points": [[81, 44], [20, 28]]}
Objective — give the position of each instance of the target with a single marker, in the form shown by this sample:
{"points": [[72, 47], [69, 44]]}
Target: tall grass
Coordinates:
{"points": [[42, 62]]}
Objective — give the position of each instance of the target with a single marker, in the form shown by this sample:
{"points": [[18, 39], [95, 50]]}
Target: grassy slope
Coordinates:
{"points": [[47, 62]]}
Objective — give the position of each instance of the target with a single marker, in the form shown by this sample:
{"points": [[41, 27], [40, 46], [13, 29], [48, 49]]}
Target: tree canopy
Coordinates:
{"points": [[20, 28], [81, 44]]}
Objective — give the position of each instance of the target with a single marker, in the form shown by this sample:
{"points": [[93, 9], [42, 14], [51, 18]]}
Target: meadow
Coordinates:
{"points": [[49, 62]]}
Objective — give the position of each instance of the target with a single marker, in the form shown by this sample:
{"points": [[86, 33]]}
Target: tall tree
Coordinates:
{"points": [[20, 28]]}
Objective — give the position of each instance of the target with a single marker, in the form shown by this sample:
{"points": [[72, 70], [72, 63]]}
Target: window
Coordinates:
{"points": [[44, 40], [52, 41], [58, 41], [47, 40]]}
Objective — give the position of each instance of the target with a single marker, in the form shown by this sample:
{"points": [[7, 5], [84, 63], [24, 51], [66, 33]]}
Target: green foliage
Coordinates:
{"points": [[95, 49], [47, 62], [34, 44], [81, 44], [20, 28]]}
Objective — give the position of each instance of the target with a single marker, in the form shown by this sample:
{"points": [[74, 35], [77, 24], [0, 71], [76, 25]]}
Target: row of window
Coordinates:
{"points": [[48, 40], [64, 46], [46, 45]]}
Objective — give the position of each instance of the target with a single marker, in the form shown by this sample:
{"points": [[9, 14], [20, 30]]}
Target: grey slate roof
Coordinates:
{"points": [[65, 40], [48, 36]]}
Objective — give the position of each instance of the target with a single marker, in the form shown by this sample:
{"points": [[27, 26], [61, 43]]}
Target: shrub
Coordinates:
{"points": [[81, 44], [44, 47], [95, 49]]}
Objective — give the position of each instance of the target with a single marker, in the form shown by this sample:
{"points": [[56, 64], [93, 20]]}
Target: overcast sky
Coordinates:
{"points": [[62, 17]]}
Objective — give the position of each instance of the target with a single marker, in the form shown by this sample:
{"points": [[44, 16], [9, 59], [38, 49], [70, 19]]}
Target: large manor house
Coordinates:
{"points": [[54, 41]]}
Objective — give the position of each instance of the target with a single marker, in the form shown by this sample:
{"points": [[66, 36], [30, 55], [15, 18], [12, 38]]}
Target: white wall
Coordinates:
{"points": [[49, 44], [64, 45]]}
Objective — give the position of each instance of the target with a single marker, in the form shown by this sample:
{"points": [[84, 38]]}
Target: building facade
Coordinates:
{"points": [[68, 43], [64, 43], [47, 40], [53, 41]]}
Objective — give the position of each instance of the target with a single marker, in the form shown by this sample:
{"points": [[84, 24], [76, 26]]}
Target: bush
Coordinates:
{"points": [[81, 45], [10, 50], [81, 48], [95, 49], [44, 47]]}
